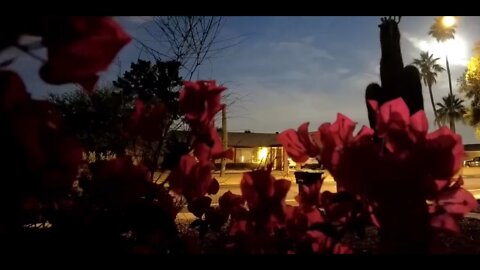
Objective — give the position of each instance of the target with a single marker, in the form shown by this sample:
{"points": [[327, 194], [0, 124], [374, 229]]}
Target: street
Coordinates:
{"points": [[231, 181]]}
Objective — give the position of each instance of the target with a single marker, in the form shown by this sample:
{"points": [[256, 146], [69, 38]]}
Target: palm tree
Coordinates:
{"points": [[451, 110], [440, 32], [429, 70], [443, 33]]}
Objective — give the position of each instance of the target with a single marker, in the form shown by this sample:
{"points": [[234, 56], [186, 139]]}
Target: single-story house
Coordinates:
{"points": [[254, 149]]}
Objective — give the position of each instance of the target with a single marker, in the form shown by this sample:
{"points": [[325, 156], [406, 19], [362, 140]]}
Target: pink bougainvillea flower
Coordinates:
{"points": [[148, 121], [451, 203], [13, 91], [79, 47], [33, 134], [341, 248], [407, 163], [412, 153], [232, 204], [309, 195], [118, 181], [320, 242], [217, 150], [456, 201], [299, 144], [260, 187], [191, 178], [334, 138], [445, 153], [177, 179], [210, 146], [200, 101], [445, 222], [397, 128]]}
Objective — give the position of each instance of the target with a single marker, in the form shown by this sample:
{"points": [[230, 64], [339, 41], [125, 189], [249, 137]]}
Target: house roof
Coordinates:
{"points": [[472, 147], [247, 139], [250, 139]]}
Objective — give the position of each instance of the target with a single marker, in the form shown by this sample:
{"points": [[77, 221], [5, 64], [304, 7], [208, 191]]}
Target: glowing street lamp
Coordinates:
{"points": [[448, 21], [442, 30]]}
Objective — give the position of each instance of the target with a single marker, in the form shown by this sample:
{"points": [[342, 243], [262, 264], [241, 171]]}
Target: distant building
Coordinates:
{"points": [[253, 149]]}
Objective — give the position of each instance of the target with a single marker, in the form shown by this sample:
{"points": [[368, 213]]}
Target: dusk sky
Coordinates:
{"points": [[288, 70]]}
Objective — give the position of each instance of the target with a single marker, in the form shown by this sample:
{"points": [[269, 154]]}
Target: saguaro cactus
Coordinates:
{"points": [[396, 80]]}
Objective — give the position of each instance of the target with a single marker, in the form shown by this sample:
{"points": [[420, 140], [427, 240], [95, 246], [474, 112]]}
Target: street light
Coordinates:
{"points": [[443, 29], [448, 21]]}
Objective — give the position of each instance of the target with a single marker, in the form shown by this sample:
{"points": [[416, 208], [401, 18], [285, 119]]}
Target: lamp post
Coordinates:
{"points": [[442, 30], [449, 22]]}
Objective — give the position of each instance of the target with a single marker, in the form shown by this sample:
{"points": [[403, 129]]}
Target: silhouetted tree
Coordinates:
{"points": [[190, 40], [100, 120], [97, 119], [451, 109], [429, 70]]}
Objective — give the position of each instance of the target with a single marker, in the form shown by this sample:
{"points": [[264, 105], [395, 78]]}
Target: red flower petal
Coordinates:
{"points": [[445, 152], [228, 201], [200, 101], [314, 216], [12, 91], [393, 115], [295, 149], [365, 134], [305, 138], [217, 150], [202, 151], [445, 222], [457, 202], [79, 48], [257, 185], [282, 187], [419, 124], [342, 130], [179, 177], [340, 248]]}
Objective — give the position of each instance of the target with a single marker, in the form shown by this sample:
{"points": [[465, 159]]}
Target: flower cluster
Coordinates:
{"points": [[396, 171]]}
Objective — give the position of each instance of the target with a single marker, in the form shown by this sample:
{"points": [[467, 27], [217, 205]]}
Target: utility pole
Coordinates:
{"points": [[224, 139], [285, 161]]}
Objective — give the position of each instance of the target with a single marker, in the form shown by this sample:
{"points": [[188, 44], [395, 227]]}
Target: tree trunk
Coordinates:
{"points": [[449, 77], [452, 123], [285, 161], [433, 105], [224, 139]]}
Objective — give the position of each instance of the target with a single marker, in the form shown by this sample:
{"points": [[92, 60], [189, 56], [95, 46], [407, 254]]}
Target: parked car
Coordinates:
{"points": [[475, 162], [310, 164]]}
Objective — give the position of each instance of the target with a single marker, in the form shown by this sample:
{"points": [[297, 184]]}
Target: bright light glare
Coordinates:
{"points": [[262, 153], [456, 49], [448, 21]]}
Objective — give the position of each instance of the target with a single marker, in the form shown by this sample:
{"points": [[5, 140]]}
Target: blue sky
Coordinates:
{"points": [[288, 70]]}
